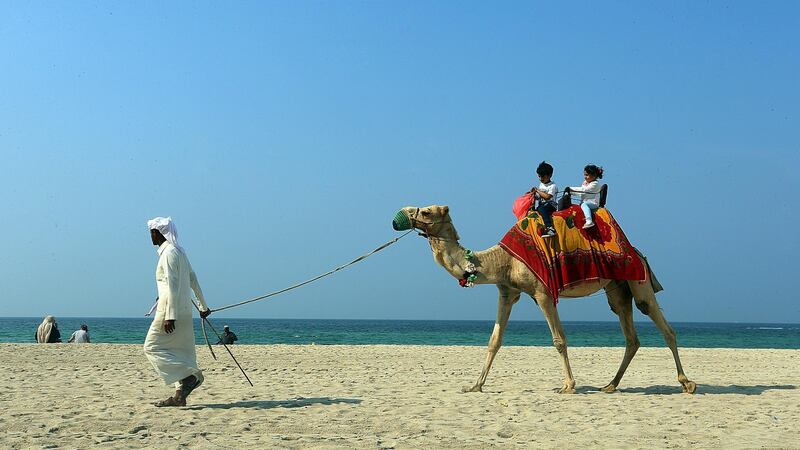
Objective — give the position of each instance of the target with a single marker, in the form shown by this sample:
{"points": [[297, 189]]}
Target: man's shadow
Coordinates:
{"points": [[299, 402], [757, 389]]}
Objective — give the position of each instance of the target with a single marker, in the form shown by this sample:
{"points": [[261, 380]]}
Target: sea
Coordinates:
{"points": [[421, 332]]}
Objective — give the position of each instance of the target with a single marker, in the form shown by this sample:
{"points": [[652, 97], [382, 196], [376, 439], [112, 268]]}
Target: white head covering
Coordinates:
{"points": [[44, 330], [167, 228]]}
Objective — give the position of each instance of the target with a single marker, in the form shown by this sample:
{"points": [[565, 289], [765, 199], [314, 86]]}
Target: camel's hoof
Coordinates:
{"points": [[609, 388], [689, 387], [566, 390], [475, 388]]}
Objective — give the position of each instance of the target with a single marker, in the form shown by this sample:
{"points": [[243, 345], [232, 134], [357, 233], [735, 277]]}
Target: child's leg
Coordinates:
{"points": [[546, 210], [587, 212]]}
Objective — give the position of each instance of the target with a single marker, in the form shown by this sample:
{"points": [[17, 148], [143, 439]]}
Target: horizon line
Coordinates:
{"points": [[406, 320]]}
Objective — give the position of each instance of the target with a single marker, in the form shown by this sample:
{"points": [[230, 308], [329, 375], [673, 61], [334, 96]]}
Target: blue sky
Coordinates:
{"points": [[282, 137]]}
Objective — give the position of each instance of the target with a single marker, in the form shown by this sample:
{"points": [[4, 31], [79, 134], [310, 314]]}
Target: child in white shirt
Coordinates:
{"points": [[589, 192], [546, 192]]}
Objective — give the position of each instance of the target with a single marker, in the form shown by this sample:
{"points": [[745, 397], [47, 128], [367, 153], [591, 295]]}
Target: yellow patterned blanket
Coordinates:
{"points": [[574, 254]]}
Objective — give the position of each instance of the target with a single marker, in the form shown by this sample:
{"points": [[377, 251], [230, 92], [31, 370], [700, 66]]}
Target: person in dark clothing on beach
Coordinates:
{"points": [[48, 333], [228, 336]]}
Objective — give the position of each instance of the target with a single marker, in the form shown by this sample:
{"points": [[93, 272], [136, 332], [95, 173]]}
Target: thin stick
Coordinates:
{"points": [[205, 335], [229, 351]]}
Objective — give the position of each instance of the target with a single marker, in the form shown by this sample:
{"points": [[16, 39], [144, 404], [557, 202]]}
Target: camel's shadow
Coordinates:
{"points": [[269, 404], [757, 389]]}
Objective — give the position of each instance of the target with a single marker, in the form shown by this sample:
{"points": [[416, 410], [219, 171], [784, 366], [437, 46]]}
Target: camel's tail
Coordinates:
{"points": [[653, 280]]}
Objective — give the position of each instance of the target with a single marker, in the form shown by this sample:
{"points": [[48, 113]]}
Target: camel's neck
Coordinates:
{"points": [[447, 251]]}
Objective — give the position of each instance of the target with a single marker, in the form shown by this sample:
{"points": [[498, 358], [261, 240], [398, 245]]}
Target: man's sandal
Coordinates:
{"points": [[169, 402]]}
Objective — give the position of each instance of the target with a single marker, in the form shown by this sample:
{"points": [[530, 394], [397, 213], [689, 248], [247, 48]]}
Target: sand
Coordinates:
{"points": [[99, 395]]}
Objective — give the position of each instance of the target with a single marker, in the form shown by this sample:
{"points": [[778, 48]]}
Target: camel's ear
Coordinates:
{"points": [[446, 209]]}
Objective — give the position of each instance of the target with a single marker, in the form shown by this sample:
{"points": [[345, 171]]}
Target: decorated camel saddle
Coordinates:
{"points": [[574, 255]]}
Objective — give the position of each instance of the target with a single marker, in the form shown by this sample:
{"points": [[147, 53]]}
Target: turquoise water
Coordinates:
{"points": [[424, 332]]}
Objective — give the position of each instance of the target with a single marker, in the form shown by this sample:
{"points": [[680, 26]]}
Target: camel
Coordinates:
{"points": [[496, 266]]}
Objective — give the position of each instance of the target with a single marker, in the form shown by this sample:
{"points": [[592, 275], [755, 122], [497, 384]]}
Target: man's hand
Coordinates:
{"points": [[169, 326], [204, 314]]}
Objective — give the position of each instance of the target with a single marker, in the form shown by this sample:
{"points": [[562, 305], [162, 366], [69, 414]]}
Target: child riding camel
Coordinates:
{"points": [[589, 192], [546, 192]]}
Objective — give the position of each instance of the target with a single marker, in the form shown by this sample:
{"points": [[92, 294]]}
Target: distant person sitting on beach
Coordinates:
{"points": [[48, 333], [80, 336], [228, 336]]}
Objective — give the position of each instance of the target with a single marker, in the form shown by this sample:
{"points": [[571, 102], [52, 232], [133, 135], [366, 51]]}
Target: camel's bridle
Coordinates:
{"points": [[426, 226]]}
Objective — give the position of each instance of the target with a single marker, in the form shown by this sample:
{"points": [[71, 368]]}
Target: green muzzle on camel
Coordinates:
{"points": [[401, 221]]}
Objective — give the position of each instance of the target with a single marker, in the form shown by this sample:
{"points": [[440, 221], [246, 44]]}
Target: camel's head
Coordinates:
{"points": [[429, 220]]}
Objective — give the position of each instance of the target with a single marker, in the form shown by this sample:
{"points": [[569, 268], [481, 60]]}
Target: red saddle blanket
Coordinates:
{"points": [[573, 255]]}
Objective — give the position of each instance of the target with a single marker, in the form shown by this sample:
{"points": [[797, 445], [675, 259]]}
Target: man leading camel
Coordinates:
{"points": [[169, 344]]}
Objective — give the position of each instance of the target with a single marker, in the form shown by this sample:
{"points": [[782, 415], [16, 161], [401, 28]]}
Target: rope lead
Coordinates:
{"points": [[330, 272]]}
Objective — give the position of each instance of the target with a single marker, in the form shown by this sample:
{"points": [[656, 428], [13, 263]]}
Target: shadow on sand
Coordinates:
{"points": [[757, 389], [269, 404]]}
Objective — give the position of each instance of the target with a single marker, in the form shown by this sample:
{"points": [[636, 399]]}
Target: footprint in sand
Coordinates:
{"points": [[505, 432]]}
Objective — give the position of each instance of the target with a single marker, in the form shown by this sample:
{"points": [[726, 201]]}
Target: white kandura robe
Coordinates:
{"points": [[173, 355]]}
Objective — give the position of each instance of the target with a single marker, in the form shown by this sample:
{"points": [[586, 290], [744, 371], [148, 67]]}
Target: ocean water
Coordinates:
{"points": [[424, 332]]}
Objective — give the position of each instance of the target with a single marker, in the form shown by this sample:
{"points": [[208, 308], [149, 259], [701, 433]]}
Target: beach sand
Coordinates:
{"points": [[99, 395]]}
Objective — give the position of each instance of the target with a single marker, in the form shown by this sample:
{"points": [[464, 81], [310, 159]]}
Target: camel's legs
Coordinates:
{"points": [[619, 299], [559, 339], [508, 297], [646, 302]]}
